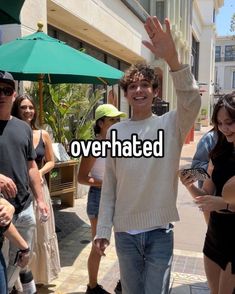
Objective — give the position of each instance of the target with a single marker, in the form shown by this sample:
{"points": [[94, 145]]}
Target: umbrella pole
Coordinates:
{"points": [[40, 89]]}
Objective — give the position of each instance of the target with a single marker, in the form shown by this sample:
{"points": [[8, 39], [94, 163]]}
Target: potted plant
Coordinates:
{"points": [[204, 117], [197, 124]]}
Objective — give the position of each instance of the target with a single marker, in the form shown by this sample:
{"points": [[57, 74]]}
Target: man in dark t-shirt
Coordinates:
{"points": [[18, 171]]}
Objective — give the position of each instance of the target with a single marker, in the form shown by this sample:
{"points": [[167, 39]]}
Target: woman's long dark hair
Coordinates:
{"points": [[223, 147], [15, 111], [96, 127]]}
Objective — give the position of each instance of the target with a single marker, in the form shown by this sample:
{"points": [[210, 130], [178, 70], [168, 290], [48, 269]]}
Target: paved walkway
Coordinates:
{"points": [[74, 242]]}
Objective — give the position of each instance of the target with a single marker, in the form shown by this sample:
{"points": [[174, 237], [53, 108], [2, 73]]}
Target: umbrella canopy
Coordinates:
{"points": [[10, 11], [38, 57]]}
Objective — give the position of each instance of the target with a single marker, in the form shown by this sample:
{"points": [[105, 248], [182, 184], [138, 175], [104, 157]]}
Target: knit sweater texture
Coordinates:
{"points": [[140, 193]]}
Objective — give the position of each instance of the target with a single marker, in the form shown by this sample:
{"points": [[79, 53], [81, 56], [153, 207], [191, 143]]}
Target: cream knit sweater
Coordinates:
{"points": [[140, 193]]}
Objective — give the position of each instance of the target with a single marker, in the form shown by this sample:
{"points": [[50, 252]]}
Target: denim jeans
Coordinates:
{"points": [[93, 202], [145, 261], [25, 223], [3, 275]]}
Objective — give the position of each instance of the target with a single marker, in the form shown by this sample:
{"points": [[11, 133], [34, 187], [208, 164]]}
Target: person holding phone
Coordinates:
{"points": [[219, 253]]}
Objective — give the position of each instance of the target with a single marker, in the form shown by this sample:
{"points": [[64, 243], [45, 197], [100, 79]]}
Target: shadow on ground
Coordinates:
{"points": [[73, 234], [66, 221]]}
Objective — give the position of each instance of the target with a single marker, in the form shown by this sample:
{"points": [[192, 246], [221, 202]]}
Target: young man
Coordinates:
{"points": [[139, 194], [18, 170]]}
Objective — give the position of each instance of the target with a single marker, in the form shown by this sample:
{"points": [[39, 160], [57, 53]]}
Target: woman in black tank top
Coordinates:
{"points": [[45, 263], [219, 211]]}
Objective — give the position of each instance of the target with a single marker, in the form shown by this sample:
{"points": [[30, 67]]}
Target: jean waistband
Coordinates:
{"points": [[93, 188]]}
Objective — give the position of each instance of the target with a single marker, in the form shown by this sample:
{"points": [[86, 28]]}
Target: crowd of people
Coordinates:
{"points": [[128, 194]]}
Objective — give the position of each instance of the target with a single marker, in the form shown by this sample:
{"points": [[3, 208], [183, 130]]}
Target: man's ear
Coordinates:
{"points": [[14, 96], [155, 92]]}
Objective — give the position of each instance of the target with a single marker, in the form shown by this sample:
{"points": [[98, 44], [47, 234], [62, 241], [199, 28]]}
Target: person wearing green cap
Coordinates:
{"points": [[139, 192], [91, 173]]}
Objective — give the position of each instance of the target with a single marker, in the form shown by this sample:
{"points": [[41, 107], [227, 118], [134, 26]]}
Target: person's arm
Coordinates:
{"points": [[201, 156], [188, 96], [204, 197], [6, 212], [204, 147], [14, 236], [49, 155], [35, 184], [107, 205], [84, 172], [24, 251]]}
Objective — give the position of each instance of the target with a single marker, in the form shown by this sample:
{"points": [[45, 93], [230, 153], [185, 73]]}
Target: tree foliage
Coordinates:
{"points": [[67, 109], [232, 23]]}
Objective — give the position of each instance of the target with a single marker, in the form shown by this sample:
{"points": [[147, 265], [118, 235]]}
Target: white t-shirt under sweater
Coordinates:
{"points": [[140, 193]]}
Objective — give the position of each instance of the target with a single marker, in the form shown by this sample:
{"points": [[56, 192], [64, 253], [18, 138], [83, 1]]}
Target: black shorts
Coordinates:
{"points": [[219, 244]]}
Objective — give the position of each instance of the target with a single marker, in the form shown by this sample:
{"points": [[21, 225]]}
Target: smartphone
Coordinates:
{"points": [[199, 174]]}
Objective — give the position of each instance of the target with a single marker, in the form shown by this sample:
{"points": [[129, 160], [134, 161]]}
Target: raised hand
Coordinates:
{"points": [[162, 44]]}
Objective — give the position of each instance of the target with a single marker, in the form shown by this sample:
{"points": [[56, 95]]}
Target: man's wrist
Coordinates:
{"points": [[24, 251], [228, 207]]}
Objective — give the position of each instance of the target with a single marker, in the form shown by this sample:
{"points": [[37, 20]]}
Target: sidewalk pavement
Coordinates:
{"points": [[73, 232]]}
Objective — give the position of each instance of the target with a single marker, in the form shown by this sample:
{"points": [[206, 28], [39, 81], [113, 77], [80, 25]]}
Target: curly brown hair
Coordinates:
{"points": [[139, 69]]}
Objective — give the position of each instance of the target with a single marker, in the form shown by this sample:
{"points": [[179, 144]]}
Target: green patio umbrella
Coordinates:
{"points": [[38, 57], [10, 11]]}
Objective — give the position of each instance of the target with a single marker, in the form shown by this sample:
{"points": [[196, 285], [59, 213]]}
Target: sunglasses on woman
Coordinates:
{"points": [[6, 91]]}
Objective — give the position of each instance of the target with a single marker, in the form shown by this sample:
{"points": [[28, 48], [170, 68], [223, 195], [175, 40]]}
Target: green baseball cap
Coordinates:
{"points": [[108, 110]]}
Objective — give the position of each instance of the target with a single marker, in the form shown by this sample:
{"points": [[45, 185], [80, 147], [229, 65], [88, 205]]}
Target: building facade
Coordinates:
{"points": [[224, 65], [112, 31], [203, 50]]}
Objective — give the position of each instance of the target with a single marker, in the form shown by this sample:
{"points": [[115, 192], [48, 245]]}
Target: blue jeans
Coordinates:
{"points": [[3, 275], [145, 261], [25, 223], [93, 202]]}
